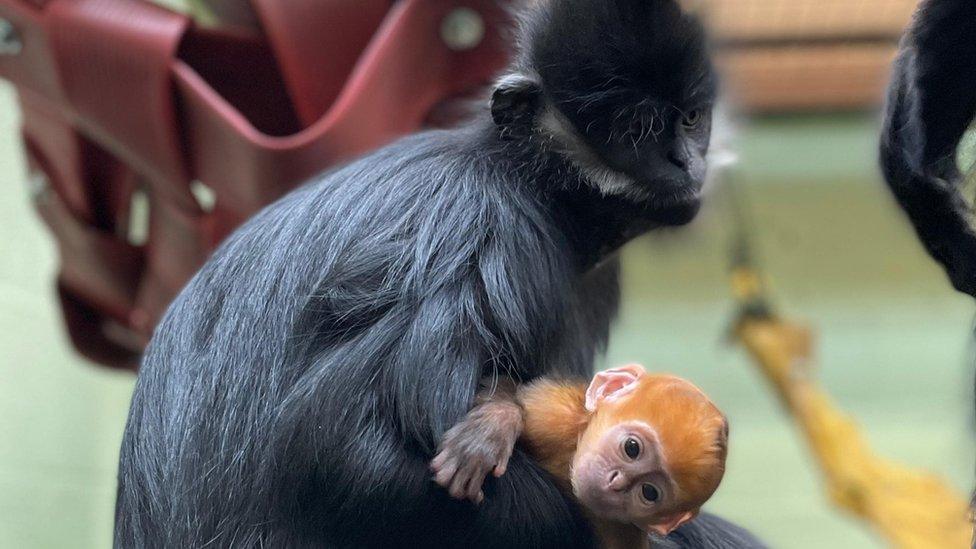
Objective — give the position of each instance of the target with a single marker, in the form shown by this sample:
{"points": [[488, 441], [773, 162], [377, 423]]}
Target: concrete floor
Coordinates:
{"points": [[893, 347]]}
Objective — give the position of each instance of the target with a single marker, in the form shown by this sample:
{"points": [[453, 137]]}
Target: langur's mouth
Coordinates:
{"points": [[671, 190], [665, 191], [677, 197], [672, 208]]}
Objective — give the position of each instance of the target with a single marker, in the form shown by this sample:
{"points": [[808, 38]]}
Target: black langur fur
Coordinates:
{"points": [[931, 103], [296, 390]]}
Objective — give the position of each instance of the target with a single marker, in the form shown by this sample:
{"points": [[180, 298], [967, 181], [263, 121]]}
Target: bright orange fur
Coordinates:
{"points": [[554, 419], [691, 430]]}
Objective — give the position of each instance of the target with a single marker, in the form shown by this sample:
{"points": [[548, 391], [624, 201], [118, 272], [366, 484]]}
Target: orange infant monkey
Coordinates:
{"points": [[641, 452]]}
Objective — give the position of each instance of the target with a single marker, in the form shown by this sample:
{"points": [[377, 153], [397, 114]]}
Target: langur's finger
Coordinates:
{"points": [[502, 465], [446, 473], [474, 485], [480, 498], [474, 475], [458, 484], [438, 461], [461, 479]]}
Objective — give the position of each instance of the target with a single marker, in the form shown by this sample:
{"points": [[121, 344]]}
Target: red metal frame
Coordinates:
{"points": [[122, 96]]}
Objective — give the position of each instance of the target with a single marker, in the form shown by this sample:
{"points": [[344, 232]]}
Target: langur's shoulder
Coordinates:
{"points": [[551, 393]]}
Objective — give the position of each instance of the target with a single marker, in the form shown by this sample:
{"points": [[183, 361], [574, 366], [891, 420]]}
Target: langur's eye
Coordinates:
{"points": [[650, 493], [692, 118], [632, 448]]}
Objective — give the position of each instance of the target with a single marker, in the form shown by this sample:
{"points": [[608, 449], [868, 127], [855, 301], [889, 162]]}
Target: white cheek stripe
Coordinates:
{"points": [[568, 142]]}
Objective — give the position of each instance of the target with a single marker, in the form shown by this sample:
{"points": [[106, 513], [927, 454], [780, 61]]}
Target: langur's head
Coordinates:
{"points": [[623, 89], [653, 452]]}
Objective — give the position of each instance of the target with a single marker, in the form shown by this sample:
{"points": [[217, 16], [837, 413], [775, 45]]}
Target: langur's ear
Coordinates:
{"points": [[723, 436], [671, 523], [612, 384], [516, 100]]}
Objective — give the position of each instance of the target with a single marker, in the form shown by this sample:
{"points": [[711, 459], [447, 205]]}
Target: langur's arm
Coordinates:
{"points": [[480, 444], [930, 105], [555, 416]]}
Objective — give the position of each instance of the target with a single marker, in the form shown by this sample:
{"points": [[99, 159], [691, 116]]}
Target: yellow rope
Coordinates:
{"points": [[911, 509]]}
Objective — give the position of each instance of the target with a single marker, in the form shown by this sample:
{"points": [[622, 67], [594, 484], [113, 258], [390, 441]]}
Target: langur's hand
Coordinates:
{"points": [[482, 443]]}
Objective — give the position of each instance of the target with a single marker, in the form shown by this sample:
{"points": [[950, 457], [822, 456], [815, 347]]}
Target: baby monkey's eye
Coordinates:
{"points": [[692, 118], [632, 448], [650, 493]]}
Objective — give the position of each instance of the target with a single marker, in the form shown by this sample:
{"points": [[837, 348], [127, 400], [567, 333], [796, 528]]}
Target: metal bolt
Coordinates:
{"points": [[463, 29], [37, 185], [205, 196], [138, 233], [10, 43]]}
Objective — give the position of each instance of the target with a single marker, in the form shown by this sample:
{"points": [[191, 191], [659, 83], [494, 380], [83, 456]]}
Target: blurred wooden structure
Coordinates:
{"points": [[803, 55], [776, 55]]}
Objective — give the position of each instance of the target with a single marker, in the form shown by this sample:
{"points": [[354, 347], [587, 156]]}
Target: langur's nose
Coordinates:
{"points": [[618, 481], [667, 165], [678, 159]]}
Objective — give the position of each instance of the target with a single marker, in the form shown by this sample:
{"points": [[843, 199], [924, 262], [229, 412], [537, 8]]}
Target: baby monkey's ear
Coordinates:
{"points": [[723, 437], [671, 523], [612, 384], [516, 100]]}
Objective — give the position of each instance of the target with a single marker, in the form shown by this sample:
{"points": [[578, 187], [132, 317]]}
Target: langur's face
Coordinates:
{"points": [[653, 451], [622, 476], [632, 106], [644, 149]]}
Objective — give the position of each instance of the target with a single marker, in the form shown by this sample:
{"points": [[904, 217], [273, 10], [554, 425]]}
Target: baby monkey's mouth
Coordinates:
{"points": [[605, 494]]}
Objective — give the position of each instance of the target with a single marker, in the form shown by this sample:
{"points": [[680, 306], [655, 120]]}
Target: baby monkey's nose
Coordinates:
{"points": [[618, 482]]}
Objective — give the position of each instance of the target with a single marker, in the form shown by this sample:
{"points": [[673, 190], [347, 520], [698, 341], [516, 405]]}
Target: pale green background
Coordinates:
{"points": [[894, 344]]}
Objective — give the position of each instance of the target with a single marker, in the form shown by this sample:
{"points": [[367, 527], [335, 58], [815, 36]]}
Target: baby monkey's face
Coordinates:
{"points": [[623, 478], [653, 453]]}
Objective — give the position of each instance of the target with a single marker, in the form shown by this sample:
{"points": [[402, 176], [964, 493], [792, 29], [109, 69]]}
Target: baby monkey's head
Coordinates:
{"points": [[653, 452]]}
